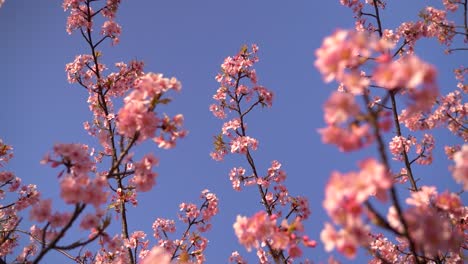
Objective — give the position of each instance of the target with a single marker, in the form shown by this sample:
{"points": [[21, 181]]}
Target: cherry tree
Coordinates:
{"points": [[388, 99]]}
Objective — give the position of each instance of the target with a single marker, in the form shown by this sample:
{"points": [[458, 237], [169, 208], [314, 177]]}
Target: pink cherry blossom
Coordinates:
{"points": [[41, 211], [236, 258], [242, 144], [347, 139], [137, 114], [408, 72], [340, 51], [78, 17], [77, 70], [233, 124], [236, 175], [437, 24], [424, 150], [111, 29], [163, 226], [346, 241], [190, 212], [460, 170], [144, 178], [5, 153], [345, 193], [451, 5], [339, 108], [252, 231], [210, 207], [90, 221], [400, 145], [157, 255], [423, 197]]}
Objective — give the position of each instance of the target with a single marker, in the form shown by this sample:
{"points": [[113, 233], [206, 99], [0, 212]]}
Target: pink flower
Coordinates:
{"points": [[90, 221], [233, 124], [59, 219], [408, 72], [242, 144], [236, 258], [77, 70], [137, 113], [78, 17], [451, 5], [252, 231], [385, 249], [6, 177], [423, 197], [236, 175], [5, 153], [136, 239], [162, 226], [460, 170], [339, 108], [75, 157], [157, 255], [144, 178], [424, 150], [400, 145], [265, 96], [41, 211], [437, 24], [355, 82], [430, 240], [111, 29], [68, 4], [347, 139], [411, 32], [71, 190], [190, 212], [340, 51], [218, 111], [450, 202], [345, 193], [210, 207]]}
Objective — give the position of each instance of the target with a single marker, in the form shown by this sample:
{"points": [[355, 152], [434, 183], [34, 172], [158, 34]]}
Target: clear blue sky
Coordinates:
{"points": [[189, 40]]}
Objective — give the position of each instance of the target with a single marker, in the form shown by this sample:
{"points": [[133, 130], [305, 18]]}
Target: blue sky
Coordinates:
{"points": [[189, 40]]}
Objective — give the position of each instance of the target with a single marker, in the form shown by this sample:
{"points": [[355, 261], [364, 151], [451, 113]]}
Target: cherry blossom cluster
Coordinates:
{"points": [[117, 249], [437, 25], [237, 96], [348, 196], [75, 182], [232, 92], [345, 201], [144, 178], [5, 153], [460, 169], [401, 145], [262, 228], [82, 180], [427, 210], [14, 198], [137, 116], [450, 111], [433, 22], [81, 17], [357, 6], [341, 55], [190, 248], [344, 129]]}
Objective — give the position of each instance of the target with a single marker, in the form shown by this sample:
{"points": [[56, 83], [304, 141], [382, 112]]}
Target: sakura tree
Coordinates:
{"points": [[389, 110]]}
